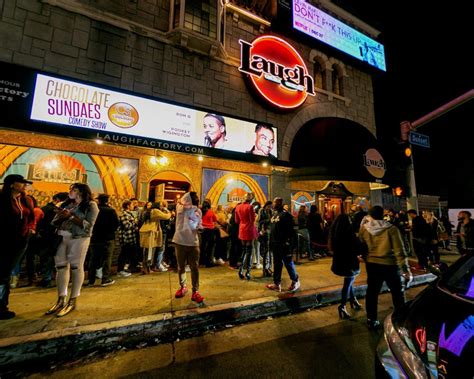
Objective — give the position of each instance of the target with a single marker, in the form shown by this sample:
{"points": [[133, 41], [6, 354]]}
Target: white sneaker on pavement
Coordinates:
{"points": [[295, 286]]}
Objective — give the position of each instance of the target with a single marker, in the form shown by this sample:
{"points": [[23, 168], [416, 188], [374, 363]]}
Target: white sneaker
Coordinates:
{"points": [[259, 266], [220, 262], [14, 281], [98, 273], [187, 268], [295, 286], [165, 264], [162, 268], [124, 274]]}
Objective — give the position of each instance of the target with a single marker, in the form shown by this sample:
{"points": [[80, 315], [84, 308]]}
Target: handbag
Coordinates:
{"points": [[222, 232]]}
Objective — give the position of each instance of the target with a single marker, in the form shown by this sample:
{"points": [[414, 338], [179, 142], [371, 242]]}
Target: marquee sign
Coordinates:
{"points": [[276, 71], [319, 25], [120, 117]]}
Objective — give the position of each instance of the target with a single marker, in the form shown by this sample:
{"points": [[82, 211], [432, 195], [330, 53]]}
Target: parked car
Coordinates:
{"points": [[433, 335]]}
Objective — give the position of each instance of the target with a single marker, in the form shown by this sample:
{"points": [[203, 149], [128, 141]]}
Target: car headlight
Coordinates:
{"points": [[410, 363]]}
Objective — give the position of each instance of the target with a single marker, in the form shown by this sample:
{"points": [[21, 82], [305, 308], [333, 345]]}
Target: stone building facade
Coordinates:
{"points": [[149, 47]]}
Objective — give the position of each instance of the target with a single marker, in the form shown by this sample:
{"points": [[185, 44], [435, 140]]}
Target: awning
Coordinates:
{"points": [[336, 149]]}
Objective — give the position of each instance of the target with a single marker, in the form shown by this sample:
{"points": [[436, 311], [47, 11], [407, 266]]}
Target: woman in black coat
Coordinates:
{"points": [[346, 248]]}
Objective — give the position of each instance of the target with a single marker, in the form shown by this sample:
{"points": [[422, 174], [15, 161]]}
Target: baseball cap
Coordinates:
{"points": [[15, 178]]}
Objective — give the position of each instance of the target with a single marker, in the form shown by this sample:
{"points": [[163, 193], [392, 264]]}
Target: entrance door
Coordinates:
{"points": [[160, 192], [169, 186], [332, 209]]}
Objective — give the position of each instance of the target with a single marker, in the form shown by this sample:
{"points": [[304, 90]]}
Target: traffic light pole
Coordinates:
{"points": [[407, 126], [412, 200]]}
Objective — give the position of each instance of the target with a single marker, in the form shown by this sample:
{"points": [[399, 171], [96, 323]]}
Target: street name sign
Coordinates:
{"points": [[419, 139]]}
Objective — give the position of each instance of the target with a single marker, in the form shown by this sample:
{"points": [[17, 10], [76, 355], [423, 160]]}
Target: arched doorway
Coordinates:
{"points": [[169, 186], [333, 148]]}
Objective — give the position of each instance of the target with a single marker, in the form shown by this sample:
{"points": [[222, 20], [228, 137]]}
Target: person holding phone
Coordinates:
{"points": [[75, 220]]}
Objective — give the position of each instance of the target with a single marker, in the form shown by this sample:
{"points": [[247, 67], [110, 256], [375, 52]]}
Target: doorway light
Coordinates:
{"points": [[159, 159], [163, 160]]}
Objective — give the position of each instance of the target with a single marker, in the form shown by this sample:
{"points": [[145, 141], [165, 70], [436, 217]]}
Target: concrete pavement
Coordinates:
{"points": [[142, 309]]}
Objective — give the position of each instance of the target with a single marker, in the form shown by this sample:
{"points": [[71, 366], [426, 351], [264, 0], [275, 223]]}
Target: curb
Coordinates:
{"points": [[41, 350]]}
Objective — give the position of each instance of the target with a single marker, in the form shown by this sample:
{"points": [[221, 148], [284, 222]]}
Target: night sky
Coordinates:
{"points": [[429, 49]]}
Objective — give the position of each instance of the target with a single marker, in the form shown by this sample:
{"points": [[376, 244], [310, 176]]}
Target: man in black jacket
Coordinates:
{"points": [[103, 242], [419, 232], [282, 235], [466, 233], [47, 233]]}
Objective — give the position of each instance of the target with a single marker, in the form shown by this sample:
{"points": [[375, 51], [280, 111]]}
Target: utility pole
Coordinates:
{"points": [[406, 127]]}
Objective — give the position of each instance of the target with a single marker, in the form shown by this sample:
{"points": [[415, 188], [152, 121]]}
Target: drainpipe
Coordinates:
{"points": [[406, 126]]}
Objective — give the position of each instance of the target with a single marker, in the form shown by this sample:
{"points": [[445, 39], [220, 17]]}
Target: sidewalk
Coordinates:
{"points": [[142, 309]]}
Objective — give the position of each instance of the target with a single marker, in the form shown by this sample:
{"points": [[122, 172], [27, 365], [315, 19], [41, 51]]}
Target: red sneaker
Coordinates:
{"points": [[181, 292], [274, 287], [197, 297]]}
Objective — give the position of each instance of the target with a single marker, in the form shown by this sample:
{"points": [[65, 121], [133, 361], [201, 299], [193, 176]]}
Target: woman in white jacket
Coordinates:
{"points": [[186, 240]]}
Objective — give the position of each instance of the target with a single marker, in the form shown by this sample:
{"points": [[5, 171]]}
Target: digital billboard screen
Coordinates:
{"points": [[78, 105], [317, 24]]}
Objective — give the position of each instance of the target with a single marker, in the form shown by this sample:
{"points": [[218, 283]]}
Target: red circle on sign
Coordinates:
{"points": [[277, 50]]}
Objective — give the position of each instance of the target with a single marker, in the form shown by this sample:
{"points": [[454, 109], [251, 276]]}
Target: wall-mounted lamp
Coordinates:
{"points": [[159, 159]]}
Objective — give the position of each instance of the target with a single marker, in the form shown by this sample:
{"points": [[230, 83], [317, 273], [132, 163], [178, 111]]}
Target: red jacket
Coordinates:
{"points": [[209, 219], [15, 217], [245, 217]]}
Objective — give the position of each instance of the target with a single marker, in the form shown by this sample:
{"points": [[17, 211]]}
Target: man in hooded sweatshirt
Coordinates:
{"points": [[386, 261], [186, 240]]}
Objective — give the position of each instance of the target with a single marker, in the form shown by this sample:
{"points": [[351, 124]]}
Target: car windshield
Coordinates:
{"points": [[459, 279]]}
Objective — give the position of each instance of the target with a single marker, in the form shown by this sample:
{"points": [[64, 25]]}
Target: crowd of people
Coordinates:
{"points": [[75, 233]]}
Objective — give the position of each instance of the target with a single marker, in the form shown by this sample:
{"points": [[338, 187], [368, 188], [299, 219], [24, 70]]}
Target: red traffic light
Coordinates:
{"points": [[400, 191]]}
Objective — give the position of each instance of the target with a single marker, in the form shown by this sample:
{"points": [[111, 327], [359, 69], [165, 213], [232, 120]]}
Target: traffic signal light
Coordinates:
{"points": [[401, 191], [404, 154]]}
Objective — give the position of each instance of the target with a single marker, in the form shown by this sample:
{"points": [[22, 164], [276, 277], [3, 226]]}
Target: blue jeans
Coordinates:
{"points": [[304, 242], [160, 251], [282, 255], [347, 291]]}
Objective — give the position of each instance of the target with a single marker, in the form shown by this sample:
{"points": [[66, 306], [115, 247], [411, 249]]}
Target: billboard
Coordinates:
{"points": [[82, 106], [317, 24]]}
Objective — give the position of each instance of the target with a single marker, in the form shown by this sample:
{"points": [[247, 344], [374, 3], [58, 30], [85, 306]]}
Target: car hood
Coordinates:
{"points": [[439, 327]]}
